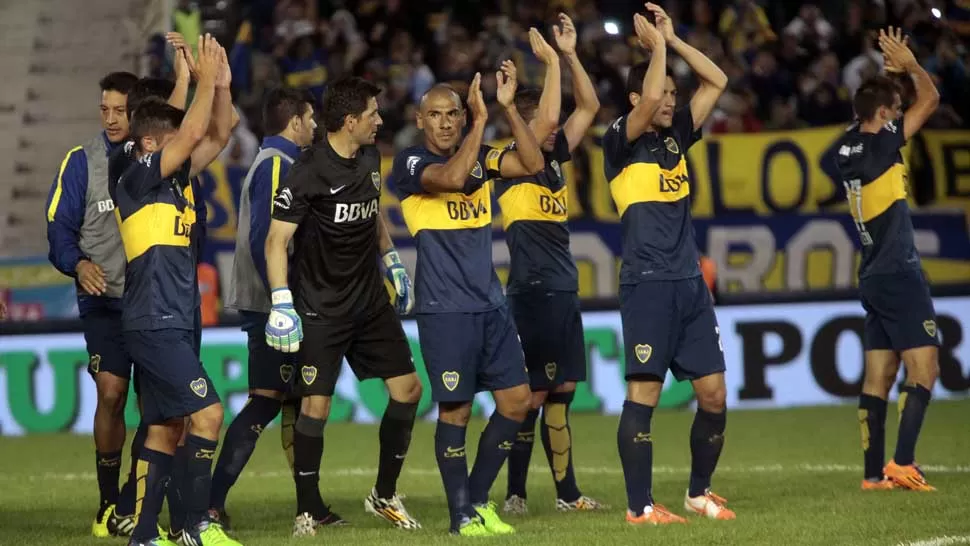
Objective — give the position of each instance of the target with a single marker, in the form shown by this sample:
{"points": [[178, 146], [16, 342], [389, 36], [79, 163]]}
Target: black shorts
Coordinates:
{"points": [[550, 326], [172, 380], [899, 312], [106, 343], [268, 368], [374, 347]]}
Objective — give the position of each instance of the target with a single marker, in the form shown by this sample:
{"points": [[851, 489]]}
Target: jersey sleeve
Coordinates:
{"points": [[560, 150], [407, 169], [291, 199], [616, 148], [262, 189], [65, 212], [491, 159], [683, 126], [890, 138]]}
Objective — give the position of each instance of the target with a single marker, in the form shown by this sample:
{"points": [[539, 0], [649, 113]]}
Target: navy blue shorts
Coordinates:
{"points": [[467, 353], [172, 380], [106, 343], [268, 368], [670, 325], [551, 328], [899, 312]]}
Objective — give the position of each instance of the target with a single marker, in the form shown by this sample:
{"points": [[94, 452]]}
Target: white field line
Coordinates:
{"points": [[937, 541], [803, 468]]}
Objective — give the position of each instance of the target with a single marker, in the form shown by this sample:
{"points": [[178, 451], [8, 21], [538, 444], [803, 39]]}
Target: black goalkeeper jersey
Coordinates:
{"points": [[334, 272]]}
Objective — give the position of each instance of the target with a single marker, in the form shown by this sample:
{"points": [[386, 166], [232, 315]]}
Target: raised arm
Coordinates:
{"points": [[587, 103], [652, 92], [550, 103], [927, 96], [451, 176], [224, 118], [526, 159]]}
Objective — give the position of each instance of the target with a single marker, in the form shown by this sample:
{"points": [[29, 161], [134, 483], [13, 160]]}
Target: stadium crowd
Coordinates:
{"points": [[790, 64]]}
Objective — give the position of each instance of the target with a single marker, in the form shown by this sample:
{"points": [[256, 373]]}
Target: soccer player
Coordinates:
{"points": [[85, 244], [900, 319], [288, 119], [667, 312], [543, 282], [328, 206], [468, 338], [155, 202]]}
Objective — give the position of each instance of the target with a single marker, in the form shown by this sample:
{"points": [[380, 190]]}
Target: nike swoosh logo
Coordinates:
{"points": [[335, 190], [306, 473], [400, 456]]}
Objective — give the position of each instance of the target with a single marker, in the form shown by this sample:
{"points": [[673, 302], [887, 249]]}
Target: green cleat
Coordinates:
{"points": [[99, 529], [492, 522], [472, 527], [157, 541], [212, 534]]}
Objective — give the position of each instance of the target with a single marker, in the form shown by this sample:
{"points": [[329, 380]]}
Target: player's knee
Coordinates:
{"points": [[713, 399], [207, 421], [112, 401], [539, 398], [408, 392], [514, 403], [644, 389], [455, 413], [317, 407]]}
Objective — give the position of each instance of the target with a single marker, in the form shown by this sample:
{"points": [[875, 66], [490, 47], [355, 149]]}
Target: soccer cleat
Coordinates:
{"points": [[908, 477], [207, 533], [305, 524], [654, 515], [219, 515], [516, 505], [121, 526], [472, 527], [884, 484], [157, 541], [99, 528], [582, 504], [391, 509], [492, 522], [708, 505]]}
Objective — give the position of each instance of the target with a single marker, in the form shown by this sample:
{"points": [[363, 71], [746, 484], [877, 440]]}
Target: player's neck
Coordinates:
{"points": [[443, 152], [872, 126], [343, 144]]}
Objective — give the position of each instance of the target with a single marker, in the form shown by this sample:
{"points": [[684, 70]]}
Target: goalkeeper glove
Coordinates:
{"points": [[398, 276], [284, 331]]}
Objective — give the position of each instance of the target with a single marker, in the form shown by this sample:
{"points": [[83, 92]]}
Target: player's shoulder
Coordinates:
{"points": [[615, 126], [370, 154], [409, 158]]}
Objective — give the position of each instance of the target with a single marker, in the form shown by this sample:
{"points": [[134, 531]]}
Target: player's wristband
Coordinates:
{"points": [[282, 296], [391, 258]]}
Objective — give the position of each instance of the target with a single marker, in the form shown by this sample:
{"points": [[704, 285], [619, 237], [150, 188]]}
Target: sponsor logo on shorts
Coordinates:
{"points": [[286, 372], [450, 380], [551, 370], [95, 363], [200, 387], [930, 327], [643, 352], [671, 145], [309, 374]]}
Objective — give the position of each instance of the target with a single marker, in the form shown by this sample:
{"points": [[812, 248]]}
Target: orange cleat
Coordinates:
{"points": [[908, 477], [884, 484], [709, 505], [654, 515]]}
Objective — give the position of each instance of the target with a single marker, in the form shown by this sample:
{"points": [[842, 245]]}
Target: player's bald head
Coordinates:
{"points": [[438, 95]]}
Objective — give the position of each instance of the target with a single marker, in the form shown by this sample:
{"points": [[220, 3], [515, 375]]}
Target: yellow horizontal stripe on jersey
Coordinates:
{"points": [[446, 211], [647, 182], [528, 201], [157, 224], [56, 198], [880, 194]]}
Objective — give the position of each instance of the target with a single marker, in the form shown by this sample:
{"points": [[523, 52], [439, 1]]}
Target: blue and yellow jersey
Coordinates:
{"points": [[453, 233], [874, 176], [157, 217], [534, 214], [651, 188]]}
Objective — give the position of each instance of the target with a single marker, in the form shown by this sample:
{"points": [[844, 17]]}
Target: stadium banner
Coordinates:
{"points": [[777, 356]]}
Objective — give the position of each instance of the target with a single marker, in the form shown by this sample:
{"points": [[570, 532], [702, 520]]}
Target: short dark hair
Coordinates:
{"points": [[149, 87], [346, 97], [526, 102], [634, 80], [154, 117], [877, 91], [281, 104], [118, 81]]}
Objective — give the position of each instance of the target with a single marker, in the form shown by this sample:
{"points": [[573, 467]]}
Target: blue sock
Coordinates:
{"points": [[449, 446], [174, 494], [521, 455], [912, 403], [239, 443], [494, 447], [706, 442], [197, 482], [636, 454], [152, 474]]}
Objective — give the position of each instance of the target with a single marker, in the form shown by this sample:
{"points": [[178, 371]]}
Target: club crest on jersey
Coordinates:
{"points": [[643, 352], [671, 145], [286, 372], [200, 387], [450, 380], [309, 374], [477, 171], [930, 327], [95, 363], [555, 166], [375, 177], [551, 370]]}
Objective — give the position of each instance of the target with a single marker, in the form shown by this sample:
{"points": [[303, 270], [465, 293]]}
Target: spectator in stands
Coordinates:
{"points": [[745, 27]]}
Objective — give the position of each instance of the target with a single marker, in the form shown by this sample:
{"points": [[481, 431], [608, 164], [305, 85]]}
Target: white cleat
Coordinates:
{"points": [[304, 525], [391, 510], [582, 504], [515, 505], [708, 505]]}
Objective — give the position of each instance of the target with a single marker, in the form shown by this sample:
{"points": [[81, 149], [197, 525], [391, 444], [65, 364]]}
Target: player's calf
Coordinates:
{"points": [[196, 487], [922, 371], [109, 436]]}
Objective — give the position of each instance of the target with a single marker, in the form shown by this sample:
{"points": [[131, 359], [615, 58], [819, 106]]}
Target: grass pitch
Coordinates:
{"points": [[792, 476]]}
